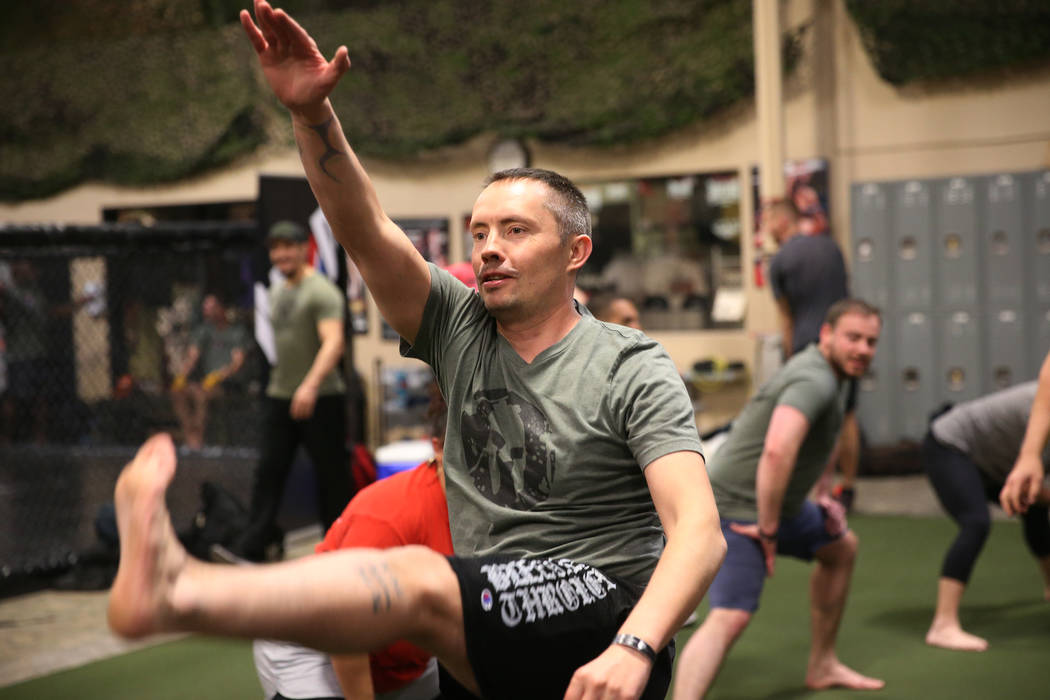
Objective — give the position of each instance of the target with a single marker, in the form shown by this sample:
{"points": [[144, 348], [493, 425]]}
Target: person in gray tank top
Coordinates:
{"points": [[580, 510], [969, 452]]}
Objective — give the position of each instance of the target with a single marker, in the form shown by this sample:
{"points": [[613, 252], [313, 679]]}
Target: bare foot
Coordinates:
{"points": [[955, 638], [150, 555], [835, 674]]}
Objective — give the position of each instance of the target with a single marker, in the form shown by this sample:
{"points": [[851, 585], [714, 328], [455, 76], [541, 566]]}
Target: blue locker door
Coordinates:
{"points": [[1007, 362], [960, 357], [870, 264], [916, 385], [1003, 242], [957, 263], [912, 232]]}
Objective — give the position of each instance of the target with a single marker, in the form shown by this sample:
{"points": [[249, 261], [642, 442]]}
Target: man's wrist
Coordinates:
{"points": [[312, 115], [769, 535], [639, 645]]}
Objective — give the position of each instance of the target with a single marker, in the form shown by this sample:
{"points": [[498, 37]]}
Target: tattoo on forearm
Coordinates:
{"points": [[331, 151], [381, 584]]}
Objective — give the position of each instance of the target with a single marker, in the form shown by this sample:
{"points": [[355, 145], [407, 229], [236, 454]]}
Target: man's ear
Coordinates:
{"points": [[825, 332], [580, 249]]}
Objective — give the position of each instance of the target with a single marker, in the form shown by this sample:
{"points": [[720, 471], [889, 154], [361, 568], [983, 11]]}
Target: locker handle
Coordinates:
{"points": [[911, 379], [952, 245], [1000, 243], [1042, 241]]}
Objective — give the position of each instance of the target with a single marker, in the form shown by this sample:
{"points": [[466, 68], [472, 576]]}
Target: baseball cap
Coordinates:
{"points": [[286, 231]]}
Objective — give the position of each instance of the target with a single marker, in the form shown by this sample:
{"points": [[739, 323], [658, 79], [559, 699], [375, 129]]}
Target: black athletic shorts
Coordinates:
{"points": [[530, 623]]}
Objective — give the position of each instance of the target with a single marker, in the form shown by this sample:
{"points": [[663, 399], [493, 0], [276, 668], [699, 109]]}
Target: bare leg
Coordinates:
{"points": [[703, 654], [197, 414], [1044, 569], [829, 587], [180, 404], [849, 451], [345, 601], [946, 630]]}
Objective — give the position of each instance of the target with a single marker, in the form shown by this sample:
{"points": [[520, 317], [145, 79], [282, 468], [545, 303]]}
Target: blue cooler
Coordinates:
{"points": [[399, 456]]}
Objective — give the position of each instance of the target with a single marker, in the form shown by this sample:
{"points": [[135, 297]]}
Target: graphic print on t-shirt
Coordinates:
{"points": [[507, 448]]}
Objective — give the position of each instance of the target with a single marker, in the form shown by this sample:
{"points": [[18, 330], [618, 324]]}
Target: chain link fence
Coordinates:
{"points": [[97, 328]]}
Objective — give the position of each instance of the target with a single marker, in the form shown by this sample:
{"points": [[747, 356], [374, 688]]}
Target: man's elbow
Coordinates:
{"points": [[717, 547], [773, 457]]}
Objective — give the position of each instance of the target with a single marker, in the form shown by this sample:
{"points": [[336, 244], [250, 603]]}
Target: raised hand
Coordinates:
{"points": [[294, 67]]}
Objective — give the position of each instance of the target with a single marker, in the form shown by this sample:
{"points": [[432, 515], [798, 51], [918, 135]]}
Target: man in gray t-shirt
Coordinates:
{"points": [[547, 451], [776, 451], [968, 454], [573, 438]]}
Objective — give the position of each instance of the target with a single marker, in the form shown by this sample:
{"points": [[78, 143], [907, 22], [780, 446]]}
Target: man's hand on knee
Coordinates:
{"points": [[618, 672]]}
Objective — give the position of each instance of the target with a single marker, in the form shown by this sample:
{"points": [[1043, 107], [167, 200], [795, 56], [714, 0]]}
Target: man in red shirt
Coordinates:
{"points": [[408, 508]]}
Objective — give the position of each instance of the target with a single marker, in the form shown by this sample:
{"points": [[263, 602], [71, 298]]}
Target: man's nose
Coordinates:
{"points": [[490, 249]]}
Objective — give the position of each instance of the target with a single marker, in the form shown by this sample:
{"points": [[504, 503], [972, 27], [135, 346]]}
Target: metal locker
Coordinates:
{"points": [[915, 386], [1002, 242], [911, 256], [960, 356], [1007, 362], [956, 242], [1040, 325], [870, 222], [1037, 237], [875, 406]]}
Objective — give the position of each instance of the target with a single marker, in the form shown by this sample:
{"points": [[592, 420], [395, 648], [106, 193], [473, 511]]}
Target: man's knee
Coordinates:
{"points": [[842, 551], [728, 623], [430, 584], [976, 526], [435, 608]]}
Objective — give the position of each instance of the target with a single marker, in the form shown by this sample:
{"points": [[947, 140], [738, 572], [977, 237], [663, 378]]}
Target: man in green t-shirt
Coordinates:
{"points": [[777, 449], [305, 403], [215, 355], [582, 518]]}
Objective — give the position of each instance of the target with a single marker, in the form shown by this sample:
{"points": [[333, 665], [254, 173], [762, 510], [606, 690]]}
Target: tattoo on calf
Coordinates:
{"points": [[382, 584], [330, 151]]}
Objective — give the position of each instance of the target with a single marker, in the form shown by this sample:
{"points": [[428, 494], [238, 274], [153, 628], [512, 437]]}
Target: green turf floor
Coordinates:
{"points": [[882, 634]]}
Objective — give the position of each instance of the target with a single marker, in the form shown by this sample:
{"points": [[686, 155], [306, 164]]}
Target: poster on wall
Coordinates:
{"points": [[430, 238], [806, 185], [407, 392]]}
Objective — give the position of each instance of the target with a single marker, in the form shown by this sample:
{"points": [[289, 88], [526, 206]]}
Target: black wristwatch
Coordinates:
{"points": [[632, 642]]}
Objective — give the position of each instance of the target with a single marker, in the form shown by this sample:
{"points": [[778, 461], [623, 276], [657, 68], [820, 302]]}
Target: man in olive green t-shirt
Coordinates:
{"points": [[777, 450], [305, 397], [215, 355]]}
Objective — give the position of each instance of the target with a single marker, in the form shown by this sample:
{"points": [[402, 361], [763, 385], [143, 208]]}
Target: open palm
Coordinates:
{"points": [[294, 67]]}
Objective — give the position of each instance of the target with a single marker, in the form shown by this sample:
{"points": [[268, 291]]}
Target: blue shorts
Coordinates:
{"points": [[739, 582]]}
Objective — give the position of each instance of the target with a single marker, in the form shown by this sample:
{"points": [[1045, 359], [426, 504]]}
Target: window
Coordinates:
{"points": [[669, 244]]}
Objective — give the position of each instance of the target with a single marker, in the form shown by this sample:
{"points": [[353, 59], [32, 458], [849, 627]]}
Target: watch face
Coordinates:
{"points": [[508, 153]]}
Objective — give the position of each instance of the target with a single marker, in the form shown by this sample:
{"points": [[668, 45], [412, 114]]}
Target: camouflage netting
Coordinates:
{"points": [[935, 40], [169, 96]]}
